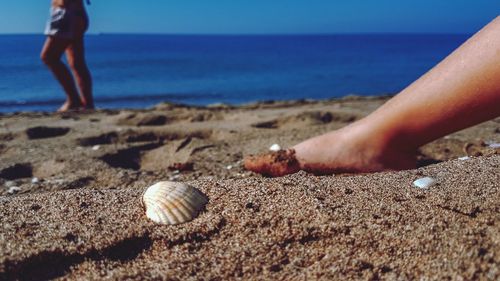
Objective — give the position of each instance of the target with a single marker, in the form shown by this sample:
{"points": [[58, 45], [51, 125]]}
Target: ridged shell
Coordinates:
{"points": [[173, 203]]}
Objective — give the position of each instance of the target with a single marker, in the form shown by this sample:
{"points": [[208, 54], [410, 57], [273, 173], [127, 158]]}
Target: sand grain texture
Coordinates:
{"points": [[84, 219]]}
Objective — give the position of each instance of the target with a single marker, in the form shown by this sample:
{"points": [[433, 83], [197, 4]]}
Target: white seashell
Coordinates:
{"points": [[464, 158], [96, 147], [229, 167], [173, 203], [35, 180], [424, 182], [275, 147]]}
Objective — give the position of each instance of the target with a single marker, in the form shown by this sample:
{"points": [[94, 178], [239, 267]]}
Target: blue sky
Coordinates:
{"points": [[263, 16]]}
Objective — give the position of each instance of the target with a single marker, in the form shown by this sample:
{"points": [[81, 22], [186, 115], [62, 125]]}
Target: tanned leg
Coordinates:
{"points": [[461, 91], [51, 56], [75, 54]]}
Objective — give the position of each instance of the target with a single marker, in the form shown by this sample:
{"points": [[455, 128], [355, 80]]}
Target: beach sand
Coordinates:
{"points": [[71, 186]]}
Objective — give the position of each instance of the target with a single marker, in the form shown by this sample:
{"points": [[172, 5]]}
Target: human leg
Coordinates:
{"points": [[51, 56], [75, 54], [461, 91]]}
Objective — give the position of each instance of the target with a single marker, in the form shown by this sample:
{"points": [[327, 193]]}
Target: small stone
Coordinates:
{"points": [[275, 147], [229, 167], [465, 158], [96, 147], [424, 182], [14, 189], [35, 180], [10, 183]]}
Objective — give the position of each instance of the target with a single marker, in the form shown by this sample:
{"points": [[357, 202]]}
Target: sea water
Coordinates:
{"points": [[136, 71]]}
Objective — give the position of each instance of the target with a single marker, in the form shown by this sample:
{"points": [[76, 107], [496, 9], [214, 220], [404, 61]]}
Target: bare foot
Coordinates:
{"points": [[349, 150], [69, 106], [87, 105]]}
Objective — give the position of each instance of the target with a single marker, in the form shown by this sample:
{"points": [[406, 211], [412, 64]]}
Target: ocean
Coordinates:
{"points": [[137, 71]]}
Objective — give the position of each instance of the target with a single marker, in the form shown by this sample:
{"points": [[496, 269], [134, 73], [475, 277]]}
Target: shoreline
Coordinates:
{"points": [[256, 103]]}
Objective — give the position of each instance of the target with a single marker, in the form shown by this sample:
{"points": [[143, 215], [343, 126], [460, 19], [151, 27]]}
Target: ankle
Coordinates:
{"points": [[380, 148]]}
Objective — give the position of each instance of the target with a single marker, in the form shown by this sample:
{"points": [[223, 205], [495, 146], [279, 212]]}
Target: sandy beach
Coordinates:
{"points": [[71, 186]]}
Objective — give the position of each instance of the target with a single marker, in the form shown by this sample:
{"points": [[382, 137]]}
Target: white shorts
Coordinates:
{"points": [[64, 22]]}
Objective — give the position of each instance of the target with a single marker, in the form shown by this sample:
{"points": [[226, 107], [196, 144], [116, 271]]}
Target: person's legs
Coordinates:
{"points": [[461, 91], [75, 54], [51, 56]]}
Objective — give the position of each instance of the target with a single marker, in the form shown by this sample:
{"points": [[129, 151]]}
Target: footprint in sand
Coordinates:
{"points": [[43, 132], [173, 155], [145, 119], [129, 158], [131, 136], [17, 171], [106, 138], [306, 118]]}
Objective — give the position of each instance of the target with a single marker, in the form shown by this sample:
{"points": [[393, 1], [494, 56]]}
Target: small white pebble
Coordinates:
{"points": [[275, 147], [14, 189], [35, 180], [464, 158], [494, 145], [96, 147], [424, 182], [229, 167]]}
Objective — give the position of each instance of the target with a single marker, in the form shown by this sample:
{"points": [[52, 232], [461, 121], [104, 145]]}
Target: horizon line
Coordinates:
{"points": [[255, 34]]}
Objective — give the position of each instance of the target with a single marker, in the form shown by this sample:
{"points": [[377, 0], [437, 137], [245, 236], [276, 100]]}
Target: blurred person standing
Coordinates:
{"points": [[65, 31]]}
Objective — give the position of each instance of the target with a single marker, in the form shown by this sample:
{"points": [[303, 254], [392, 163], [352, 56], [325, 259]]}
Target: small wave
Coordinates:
{"points": [[29, 103], [128, 99]]}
